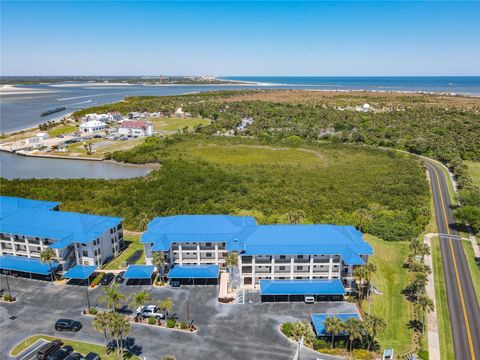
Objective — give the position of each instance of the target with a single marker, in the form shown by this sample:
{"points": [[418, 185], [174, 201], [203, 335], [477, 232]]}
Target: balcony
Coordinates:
{"points": [[263, 261], [321, 261], [282, 261]]}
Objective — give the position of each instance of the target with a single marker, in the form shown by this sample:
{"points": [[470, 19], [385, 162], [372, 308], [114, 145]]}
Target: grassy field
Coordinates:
{"points": [[62, 129], [474, 268], [443, 319], [391, 278], [99, 146], [174, 124], [474, 171], [133, 247], [78, 346]]}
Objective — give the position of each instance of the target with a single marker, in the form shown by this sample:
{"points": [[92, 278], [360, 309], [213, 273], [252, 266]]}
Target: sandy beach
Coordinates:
{"points": [[15, 90]]}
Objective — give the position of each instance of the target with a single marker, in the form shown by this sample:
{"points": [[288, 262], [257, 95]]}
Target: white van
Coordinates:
{"points": [[309, 299]]}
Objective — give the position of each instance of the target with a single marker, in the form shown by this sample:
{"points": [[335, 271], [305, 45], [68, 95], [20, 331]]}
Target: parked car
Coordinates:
{"points": [[68, 324], [107, 279], [68, 348], [309, 299], [97, 136], [119, 278], [59, 354], [60, 136], [74, 356], [175, 283], [149, 311], [92, 356], [48, 348]]}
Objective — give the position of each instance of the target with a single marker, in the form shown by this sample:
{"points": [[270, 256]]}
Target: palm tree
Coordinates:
{"points": [[119, 327], [158, 260], [374, 325], [353, 327], [427, 305], [112, 297], [333, 325], [231, 261], [139, 299], [47, 256], [101, 323], [360, 275], [166, 305]]}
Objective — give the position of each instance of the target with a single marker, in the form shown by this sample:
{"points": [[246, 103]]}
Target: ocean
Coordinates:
{"points": [[21, 109]]}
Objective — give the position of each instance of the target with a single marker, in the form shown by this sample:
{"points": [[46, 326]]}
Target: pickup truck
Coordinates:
{"points": [[149, 311]]}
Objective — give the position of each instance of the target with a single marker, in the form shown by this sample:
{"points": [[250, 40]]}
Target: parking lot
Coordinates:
{"points": [[225, 331]]}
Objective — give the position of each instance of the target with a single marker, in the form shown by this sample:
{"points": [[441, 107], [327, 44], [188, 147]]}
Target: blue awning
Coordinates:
{"points": [[194, 272], [318, 321], [81, 272], [301, 287], [139, 272], [23, 264]]}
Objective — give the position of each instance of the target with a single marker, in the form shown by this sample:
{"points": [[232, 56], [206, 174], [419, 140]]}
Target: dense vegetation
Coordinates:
{"points": [[412, 123], [382, 192]]}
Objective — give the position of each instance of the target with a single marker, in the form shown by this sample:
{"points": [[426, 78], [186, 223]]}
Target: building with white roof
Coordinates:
{"points": [[135, 128], [93, 126]]}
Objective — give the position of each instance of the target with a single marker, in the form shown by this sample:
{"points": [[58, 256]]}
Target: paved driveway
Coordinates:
{"points": [[240, 331]]}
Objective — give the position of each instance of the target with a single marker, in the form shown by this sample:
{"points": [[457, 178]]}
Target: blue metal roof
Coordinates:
{"points": [[139, 272], [318, 320], [301, 287], [10, 205], [194, 272], [28, 218], [23, 264], [81, 272], [242, 234]]}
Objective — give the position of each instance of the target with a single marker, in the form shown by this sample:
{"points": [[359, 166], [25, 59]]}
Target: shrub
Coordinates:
{"points": [[423, 354], [93, 311], [320, 344], [225, 300], [152, 321], [361, 354], [97, 280], [184, 325], [287, 329], [8, 297], [171, 323]]}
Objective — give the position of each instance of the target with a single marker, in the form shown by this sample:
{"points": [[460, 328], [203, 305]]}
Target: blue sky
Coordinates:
{"points": [[240, 38]]}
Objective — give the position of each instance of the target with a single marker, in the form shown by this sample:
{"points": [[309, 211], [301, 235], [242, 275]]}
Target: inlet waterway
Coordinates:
{"points": [[14, 166]]}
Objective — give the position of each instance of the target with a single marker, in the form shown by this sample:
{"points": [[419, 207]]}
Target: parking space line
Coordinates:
{"points": [[28, 355]]}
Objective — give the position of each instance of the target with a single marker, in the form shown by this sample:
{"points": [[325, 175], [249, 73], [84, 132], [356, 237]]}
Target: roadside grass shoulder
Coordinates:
{"points": [[391, 278], [133, 247], [78, 346], [474, 268], [443, 318]]}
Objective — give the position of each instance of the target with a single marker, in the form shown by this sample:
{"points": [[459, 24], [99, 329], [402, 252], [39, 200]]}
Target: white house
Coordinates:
{"points": [[42, 136], [92, 126], [136, 128], [179, 113], [365, 107]]}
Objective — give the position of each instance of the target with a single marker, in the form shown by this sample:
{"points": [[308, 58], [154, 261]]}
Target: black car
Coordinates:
{"points": [[48, 348], [59, 354], [119, 278], [92, 356], [68, 324], [175, 283], [107, 279], [74, 356]]}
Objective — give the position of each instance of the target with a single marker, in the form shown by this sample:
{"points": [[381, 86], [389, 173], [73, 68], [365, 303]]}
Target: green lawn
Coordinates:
{"points": [[133, 246], [474, 171], [78, 346], [391, 278], [474, 268], [174, 124], [62, 129], [443, 319]]}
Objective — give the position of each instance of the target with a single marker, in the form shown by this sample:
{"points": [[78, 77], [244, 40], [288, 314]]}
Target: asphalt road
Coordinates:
{"points": [[461, 299]]}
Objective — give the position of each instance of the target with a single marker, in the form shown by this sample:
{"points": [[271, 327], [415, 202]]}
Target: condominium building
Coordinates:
{"points": [[274, 252], [27, 227]]}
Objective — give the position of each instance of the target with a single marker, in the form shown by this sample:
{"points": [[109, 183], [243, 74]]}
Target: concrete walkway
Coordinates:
{"points": [[433, 338]]}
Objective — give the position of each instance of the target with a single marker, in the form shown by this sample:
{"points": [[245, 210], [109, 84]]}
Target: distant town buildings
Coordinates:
{"points": [[135, 128], [93, 126]]}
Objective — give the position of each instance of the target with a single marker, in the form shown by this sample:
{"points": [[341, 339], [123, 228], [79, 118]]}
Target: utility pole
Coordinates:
{"points": [[188, 312], [88, 299]]}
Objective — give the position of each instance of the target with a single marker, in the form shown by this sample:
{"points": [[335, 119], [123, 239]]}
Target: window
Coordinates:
{"points": [[83, 244], [95, 252], [299, 267], [208, 244], [283, 257], [282, 268], [85, 253], [209, 254], [300, 256]]}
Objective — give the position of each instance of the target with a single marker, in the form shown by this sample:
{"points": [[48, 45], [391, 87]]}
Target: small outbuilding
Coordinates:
{"points": [[80, 273], [140, 273]]}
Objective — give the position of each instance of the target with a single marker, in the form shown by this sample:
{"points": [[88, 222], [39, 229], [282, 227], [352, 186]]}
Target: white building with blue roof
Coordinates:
{"points": [[27, 227], [266, 252]]}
